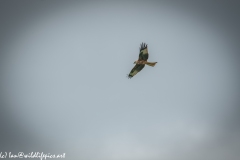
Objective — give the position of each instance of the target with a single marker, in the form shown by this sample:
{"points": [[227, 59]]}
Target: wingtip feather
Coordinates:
{"points": [[143, 46]]}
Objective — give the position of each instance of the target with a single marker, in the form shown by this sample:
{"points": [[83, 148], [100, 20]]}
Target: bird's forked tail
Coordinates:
{"points": [[152, 64]]}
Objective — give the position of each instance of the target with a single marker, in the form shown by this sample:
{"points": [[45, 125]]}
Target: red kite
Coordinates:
{"points": [[142, 60]]}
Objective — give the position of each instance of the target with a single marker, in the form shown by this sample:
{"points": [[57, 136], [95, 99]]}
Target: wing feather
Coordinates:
{"points": [[143, 55], [137, 68]]}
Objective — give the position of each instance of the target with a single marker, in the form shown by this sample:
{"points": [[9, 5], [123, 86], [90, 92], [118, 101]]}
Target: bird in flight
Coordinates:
{"points": [[142, 60]]}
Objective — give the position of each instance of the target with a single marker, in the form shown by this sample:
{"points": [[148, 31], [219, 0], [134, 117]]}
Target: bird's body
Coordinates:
{"points": [[147, 63], [142, 60]]}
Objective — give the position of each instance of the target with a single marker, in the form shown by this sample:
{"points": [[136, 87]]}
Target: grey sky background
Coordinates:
{"points": [[63, 67]]}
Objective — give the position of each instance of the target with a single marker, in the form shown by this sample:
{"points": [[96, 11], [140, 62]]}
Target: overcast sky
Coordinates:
{"points": [[64, 87]]}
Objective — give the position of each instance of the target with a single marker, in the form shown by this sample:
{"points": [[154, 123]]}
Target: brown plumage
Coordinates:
{"points": [[142, 60]]}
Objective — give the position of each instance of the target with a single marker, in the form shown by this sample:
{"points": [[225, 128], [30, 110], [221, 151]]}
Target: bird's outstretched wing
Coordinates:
{"points": [[137, 68], [143, 55]]}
